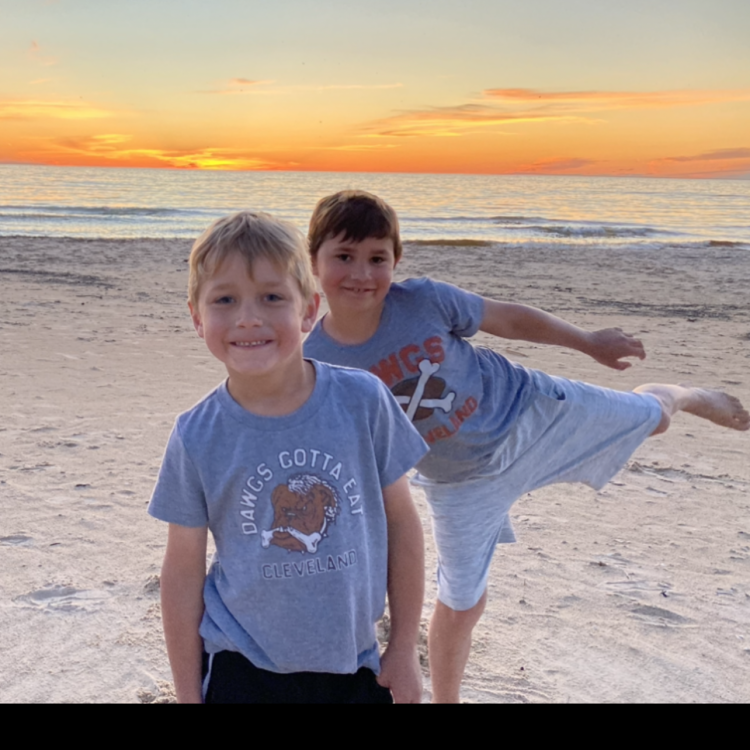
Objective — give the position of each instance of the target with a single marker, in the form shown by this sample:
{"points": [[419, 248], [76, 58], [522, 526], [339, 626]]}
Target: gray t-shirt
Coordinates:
{"points": [[296, 509], [463, 399]]}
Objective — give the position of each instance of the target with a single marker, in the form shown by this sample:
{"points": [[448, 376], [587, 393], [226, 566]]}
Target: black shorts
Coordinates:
{"points": [[234, 679]]}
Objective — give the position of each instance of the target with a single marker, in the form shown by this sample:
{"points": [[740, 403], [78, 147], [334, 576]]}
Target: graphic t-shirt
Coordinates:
{"points": [[462, 398], [295, 507]]}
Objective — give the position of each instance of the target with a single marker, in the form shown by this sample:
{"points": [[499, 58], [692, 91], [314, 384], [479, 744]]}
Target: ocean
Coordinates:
{"points": [[518, 210]]}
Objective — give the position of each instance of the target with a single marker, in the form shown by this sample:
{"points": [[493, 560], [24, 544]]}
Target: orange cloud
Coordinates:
{"points": [[593, 100], [28, 109], [239, 86], [516, 106], [110, 147], [454, 121], [246, 82], [359, 147], [721, 154], [732, 163], [557, 164]]}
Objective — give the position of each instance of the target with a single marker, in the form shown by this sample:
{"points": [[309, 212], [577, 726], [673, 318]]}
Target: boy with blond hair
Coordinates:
{"points": [[496, 430], [298, 470]]}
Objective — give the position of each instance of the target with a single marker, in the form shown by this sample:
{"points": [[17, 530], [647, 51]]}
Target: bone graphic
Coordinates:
{"points": [[445, 403], [427, 370], [266, 536], [310, 541]]}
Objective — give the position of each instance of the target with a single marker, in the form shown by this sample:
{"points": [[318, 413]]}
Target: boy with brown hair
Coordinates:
{"points": [[298, 470], [496, 430]]}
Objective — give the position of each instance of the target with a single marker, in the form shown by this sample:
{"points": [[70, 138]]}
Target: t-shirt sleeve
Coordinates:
{"points": [[398, 445], [178, 496], [462, 311]]}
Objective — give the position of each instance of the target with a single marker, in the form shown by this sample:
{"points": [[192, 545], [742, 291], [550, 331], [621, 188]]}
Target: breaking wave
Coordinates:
{"points": [[462, 211]]}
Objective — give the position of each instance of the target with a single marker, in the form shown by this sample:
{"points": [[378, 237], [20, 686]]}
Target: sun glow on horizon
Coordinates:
{"points": [[280, 95]]}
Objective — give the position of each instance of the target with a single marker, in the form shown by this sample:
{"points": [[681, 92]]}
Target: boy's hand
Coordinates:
{"points": [[609, 345], [400, 671], [401, 674], [182, 577]]}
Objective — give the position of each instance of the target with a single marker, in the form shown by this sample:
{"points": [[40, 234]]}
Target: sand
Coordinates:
{"points": [[640, 592]]}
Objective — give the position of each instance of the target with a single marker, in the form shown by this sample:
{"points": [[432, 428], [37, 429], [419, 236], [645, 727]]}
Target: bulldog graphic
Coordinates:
{"points": [[303, 509]]}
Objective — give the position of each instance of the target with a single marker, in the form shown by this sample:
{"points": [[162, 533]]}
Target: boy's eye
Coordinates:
{"points": [[224, 300], [343, 256], [274, 297]]}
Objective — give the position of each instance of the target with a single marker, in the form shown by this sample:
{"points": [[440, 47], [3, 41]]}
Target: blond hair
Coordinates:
{"points": [[251, 235]]}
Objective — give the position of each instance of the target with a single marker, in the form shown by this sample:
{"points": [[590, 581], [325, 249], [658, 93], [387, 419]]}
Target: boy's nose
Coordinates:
{"points": [[360, 270], [248, 315]]}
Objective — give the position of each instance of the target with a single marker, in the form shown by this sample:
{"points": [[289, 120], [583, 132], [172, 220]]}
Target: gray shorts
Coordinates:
{"points": [[570, 432]]}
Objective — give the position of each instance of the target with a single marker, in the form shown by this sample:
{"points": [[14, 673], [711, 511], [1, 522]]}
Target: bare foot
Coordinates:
{"points": [[718, 407]]}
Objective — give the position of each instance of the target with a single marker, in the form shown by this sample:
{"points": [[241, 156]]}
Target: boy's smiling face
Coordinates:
{"points": [[355, 276], [253, 324]]}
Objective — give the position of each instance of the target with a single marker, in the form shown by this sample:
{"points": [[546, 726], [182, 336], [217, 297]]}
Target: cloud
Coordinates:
{"points": [[511, 106], [721, 154], [111, 146], [597, 100], [727, 163], [246, 82], [349, 86], [239, 86], [360, 147], [558, 164], [105, 142], [455, 121], [35, 53], [31, 109], [248, 86], [727, 173]]}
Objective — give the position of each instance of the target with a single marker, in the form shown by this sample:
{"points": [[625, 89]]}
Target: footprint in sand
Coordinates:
{"points": [[568, 601], [659, 616], [640, 588], [59, 598], [15, 540]]}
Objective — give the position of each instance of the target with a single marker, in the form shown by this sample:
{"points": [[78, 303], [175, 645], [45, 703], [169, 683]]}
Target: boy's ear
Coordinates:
{"points": [[197, 324], [311, 313]]}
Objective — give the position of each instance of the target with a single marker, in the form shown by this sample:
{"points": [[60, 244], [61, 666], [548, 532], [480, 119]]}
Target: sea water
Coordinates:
{"points": [[521, 210]]}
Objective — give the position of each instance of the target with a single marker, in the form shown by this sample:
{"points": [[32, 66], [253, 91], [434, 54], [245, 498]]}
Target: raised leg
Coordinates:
{"points": [[449, 644]]}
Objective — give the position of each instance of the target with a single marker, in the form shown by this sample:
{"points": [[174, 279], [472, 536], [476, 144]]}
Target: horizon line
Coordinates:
{"points": [[537, 173]]}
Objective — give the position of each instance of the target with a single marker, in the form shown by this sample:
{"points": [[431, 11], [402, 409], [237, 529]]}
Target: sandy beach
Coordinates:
{"points": [[637, 593]]}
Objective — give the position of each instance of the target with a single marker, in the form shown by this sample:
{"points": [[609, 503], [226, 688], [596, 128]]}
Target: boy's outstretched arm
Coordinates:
{"points": [[607, 346], [400, 670], [182, 577]]}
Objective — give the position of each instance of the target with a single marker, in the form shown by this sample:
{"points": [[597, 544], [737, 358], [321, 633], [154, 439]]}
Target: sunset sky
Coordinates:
{"points": [[591, 87]]}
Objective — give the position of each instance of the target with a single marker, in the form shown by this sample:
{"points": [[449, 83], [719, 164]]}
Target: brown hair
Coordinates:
{"points": [[253, 236], [358, 215]]}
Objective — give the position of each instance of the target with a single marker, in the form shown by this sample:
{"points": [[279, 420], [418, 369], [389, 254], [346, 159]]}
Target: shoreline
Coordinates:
{"points": [[560, 243], [638, 593]]}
